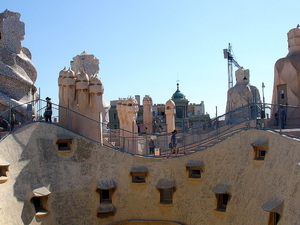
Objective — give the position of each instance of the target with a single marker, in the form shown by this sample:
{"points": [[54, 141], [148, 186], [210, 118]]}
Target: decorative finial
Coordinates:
{"points": [[177, 81]]}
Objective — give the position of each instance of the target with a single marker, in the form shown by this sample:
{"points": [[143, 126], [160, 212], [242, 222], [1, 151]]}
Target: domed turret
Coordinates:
{"points": [[181, 105], [178, 95]]}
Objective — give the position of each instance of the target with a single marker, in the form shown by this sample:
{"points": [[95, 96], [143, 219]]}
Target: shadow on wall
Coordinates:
{"points": [[35, 174], [69, 178]]}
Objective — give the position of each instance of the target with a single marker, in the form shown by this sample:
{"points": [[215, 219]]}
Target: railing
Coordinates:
{"points": [[195, 138]]}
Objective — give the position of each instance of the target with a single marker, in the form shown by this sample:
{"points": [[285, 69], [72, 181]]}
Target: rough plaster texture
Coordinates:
{"points": [[16, 67], [287, 78], [72, 180], [82, 91]]}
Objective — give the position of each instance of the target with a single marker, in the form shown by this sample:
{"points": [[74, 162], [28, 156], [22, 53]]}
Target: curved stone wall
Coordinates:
{"points": [[75, 178]]}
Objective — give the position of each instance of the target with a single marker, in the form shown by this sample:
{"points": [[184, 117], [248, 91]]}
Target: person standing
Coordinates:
{"points": [[151, 146], [173, 143], [48, 112]]}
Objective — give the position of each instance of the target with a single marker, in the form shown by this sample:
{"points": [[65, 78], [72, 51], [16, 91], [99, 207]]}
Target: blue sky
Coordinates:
{"points": [[144, 47]]}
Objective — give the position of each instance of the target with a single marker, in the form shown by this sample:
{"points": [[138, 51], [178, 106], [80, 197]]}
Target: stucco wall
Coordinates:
{"points": [[72, 180]]}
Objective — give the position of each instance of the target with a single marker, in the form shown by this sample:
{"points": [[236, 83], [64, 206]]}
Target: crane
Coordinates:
{"points": [[228, 54]]}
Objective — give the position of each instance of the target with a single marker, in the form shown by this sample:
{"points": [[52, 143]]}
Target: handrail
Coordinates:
{"points": [[189, 140]]}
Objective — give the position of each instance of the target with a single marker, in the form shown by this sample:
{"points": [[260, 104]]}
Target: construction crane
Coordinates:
{"points": [[228, 54]]}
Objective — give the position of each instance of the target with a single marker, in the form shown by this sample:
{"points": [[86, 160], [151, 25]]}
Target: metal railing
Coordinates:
{"points": [[195, 138]]}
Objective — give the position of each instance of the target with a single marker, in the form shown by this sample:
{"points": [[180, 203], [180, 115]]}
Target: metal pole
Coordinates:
{"points": [[264, 107], [183, 136], [279, 112], [167, 143], [217, 127], [100, 129], [123, 139], [68, 114], [10, 115], [263, 87], [110, 139], [120, 139], [147, 145], [39, 106], [255, 109], [133, 141]]}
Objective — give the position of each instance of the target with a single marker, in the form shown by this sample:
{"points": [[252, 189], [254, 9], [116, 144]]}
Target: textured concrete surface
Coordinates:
{"points": [[72, 180]]}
